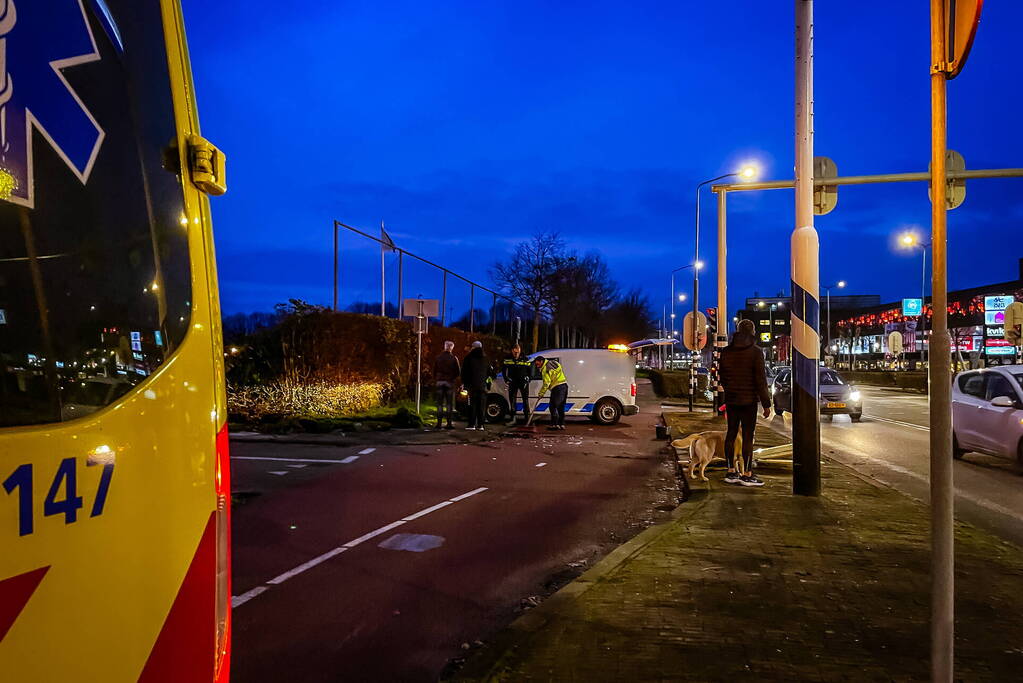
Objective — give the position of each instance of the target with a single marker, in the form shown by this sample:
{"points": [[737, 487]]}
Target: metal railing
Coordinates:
{"points": [[473, 286]]}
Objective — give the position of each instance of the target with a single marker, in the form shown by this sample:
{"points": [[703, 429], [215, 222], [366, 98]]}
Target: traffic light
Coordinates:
{"points": [[712, 322]]}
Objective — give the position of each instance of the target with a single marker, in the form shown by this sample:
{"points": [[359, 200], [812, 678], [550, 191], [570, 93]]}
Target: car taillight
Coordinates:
{"points": [[223, 603], [632, 389]]}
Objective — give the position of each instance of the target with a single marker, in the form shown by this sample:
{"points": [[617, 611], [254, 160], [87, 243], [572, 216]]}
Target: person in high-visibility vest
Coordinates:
{"points": [[554, 380]]}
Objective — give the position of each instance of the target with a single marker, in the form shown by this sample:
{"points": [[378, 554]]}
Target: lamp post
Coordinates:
{"points": [[840, 284], [681, 297], [911, 240], [747, 172]]}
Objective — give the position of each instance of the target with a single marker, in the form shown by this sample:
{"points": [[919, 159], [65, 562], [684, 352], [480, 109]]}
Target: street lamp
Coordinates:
{"points": [[681, 297], [911, 240], [841, 285], [747, 171]]}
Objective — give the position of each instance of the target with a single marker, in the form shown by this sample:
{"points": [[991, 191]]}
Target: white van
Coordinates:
{"points": [[601, 386]]}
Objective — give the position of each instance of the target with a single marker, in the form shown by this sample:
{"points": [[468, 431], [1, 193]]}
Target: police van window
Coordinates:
{"points": [[95, 289]]}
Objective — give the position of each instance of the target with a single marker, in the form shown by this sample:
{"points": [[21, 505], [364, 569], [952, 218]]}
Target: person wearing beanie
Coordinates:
{"points": [[744, 380], [446, 371]]}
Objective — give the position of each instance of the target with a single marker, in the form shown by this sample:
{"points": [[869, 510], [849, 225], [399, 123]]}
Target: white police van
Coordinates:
{"points": [[601, 386]]}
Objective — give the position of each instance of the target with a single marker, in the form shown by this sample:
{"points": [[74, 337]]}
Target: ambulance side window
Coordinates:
{"points": [[95, 279]]}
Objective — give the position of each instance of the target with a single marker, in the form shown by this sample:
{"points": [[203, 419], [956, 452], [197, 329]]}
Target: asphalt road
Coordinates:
{"points": [[378, 565], [891, 445]]}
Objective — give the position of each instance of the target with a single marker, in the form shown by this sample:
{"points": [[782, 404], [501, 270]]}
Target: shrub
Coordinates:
{"points": [[272, 401]]}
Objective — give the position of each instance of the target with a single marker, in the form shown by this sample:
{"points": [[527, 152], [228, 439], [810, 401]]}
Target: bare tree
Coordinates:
{"points": [[528, 275], [582, 293], [628, 319]]}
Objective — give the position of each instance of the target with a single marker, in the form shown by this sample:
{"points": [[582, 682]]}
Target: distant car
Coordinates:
{"points": [[987, 412], [601, 386], [836, 396]]}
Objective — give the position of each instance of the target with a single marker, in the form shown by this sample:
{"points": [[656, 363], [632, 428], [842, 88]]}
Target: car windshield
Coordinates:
{"points": [[830, 377]]}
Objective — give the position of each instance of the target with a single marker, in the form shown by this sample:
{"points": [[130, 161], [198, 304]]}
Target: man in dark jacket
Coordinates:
{"points": [[516, 370], [745, 382], [446, 372], [475, 376]]}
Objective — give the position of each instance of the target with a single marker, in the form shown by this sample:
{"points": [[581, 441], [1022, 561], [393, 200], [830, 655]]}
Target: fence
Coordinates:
{"points": [[514, 322]]}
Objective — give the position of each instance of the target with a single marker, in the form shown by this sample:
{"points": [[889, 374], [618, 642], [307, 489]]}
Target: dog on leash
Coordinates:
{"points": [[704, 447]]}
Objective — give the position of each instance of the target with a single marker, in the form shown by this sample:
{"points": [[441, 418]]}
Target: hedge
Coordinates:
{"points": [[303, 359], [675, 383]]}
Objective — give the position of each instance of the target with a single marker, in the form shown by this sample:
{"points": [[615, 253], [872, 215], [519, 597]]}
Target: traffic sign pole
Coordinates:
{"points": [[939, 371], [806, 468]]}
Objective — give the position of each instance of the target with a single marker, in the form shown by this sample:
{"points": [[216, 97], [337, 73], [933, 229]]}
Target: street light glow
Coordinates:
{"points": [[909, 239], [841, 284], [681, 297], [698, 265], [748, 172]]}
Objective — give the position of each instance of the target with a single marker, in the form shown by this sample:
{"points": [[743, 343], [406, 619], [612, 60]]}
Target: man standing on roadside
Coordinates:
{"points": [[475, 372], [744, 380], [516, 370], [446, 372], [554, 380]]}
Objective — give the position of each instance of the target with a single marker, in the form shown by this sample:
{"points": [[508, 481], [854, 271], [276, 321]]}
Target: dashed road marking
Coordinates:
{"points": [[256, 457], [279, 473], [366, 451], [899, 422], [350, 458], [239, 600], [541, 464]]}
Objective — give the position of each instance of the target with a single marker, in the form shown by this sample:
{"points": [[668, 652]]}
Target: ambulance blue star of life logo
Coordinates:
{"points": [[38, 40]]}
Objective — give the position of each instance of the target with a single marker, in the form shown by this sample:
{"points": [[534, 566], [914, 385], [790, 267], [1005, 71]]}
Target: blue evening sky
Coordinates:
{"points": [[467, 126]]}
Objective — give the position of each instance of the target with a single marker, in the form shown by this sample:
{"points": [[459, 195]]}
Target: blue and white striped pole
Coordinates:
{"points": [[806, 443]]}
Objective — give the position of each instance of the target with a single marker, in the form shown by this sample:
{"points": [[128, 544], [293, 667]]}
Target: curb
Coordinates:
{"points": [[487, 667]]}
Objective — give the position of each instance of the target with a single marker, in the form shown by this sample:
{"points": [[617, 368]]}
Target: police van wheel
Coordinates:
{"points": [[497, 408], [607, 411]]}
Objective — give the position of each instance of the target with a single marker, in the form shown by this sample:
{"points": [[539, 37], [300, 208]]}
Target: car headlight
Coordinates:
{"points": [[854, 396]]}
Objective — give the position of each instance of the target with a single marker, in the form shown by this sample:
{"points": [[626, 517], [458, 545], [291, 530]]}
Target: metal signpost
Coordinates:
{"points": [[420, 310], [694, 337]]}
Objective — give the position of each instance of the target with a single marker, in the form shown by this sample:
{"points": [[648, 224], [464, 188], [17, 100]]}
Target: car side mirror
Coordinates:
{"points": [[1003, 402]]}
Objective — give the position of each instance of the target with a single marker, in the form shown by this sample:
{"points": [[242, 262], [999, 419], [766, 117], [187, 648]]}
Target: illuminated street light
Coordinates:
{"points": [[682, 297], [840, 284], [910, 240]]}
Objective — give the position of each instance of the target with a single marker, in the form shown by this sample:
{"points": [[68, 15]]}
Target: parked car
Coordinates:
{"points": [[987, 412], [601, 386], [836, 396]]}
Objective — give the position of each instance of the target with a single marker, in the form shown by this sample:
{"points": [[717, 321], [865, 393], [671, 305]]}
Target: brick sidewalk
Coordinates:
{"points": [[757, 584]]}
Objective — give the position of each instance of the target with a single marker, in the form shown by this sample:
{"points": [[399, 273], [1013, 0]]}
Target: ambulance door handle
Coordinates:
{"points": [[208, 166]]}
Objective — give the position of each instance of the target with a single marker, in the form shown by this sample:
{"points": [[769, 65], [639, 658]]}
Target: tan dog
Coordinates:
{"points": [[705, 447]]}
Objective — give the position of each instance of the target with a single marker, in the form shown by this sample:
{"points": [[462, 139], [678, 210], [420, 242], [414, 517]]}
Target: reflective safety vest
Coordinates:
{"points": [[552, 375]]}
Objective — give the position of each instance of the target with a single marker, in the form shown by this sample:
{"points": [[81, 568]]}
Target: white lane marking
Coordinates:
{"points": [[350, 458], [366, 451], [248, 595], [308, 565], [376, 532], [959, 493], [297, 467], [470, 493], [281, 578], [427, 511], [279, 473], [898, 422], [540, 464], [255, 457]]}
